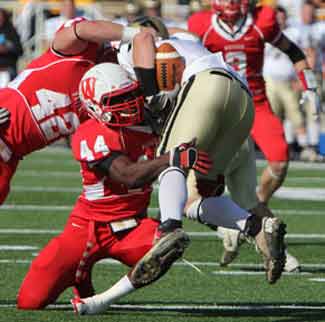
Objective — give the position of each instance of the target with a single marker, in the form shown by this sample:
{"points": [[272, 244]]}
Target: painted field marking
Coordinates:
{"points": [[151, 210], [24, 231], [235, 308]]}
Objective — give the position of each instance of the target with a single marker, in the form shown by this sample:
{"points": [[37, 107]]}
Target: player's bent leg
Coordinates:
{"points": [[54, 269], [271, 180]]}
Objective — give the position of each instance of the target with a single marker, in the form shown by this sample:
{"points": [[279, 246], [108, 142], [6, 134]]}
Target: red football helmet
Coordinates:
{"points": [[232, 10], [111, 96]]}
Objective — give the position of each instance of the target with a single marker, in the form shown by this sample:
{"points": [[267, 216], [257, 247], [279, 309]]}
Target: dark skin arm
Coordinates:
{"points": [[135, 174]]}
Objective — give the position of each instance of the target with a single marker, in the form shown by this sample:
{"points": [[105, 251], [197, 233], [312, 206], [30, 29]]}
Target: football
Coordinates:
{"points": [[168, 67]]}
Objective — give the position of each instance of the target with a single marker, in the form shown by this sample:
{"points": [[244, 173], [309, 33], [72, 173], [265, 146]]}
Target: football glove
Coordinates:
{"points": [[186, 156], [4, 115], [309, 83]]}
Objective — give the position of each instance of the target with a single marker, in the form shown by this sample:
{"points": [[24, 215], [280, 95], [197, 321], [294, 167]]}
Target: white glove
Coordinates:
{"points": [[4, 115], [314, 100]]}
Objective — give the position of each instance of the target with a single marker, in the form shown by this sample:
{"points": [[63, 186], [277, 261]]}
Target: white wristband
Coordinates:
{"points": [[128, 33]]}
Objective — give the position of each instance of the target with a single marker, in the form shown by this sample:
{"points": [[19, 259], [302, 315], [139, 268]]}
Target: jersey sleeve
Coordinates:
{"points": [[199, 22], [94, 142], [267, 24]]}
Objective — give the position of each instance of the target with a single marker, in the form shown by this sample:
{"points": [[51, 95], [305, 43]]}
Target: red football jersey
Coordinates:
{"points": [[43, 99], [242, 48], [103, 199]]}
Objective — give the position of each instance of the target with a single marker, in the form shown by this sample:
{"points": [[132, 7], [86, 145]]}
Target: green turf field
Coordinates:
{"points": [[43, 192]]}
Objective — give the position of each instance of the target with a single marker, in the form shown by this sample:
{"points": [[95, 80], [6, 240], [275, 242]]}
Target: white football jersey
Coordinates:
{"points": [[197, 57]]}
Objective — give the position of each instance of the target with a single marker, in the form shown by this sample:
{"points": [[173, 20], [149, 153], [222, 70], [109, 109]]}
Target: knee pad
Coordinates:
{"points": [[278, 171]]}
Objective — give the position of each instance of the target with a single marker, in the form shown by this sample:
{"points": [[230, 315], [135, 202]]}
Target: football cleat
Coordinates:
{"points": [[157, 261], [232, 239], [292, 264], [270, 242], [79, 306]]}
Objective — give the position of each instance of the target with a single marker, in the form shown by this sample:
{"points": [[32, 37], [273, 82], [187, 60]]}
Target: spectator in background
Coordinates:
{"points": [[131, 11], [308, 28], [10, 49], [293, 9], [279, 74], [68, 11]]}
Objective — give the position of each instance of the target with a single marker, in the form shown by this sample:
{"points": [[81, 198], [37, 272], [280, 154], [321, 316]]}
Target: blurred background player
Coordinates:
{"points": [[240, 30], [279, 74]]}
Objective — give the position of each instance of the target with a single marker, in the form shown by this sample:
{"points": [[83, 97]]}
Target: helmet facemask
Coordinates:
{"points": [[114, 102]]}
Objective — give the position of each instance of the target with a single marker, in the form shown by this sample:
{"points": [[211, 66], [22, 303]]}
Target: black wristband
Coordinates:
{"points": [[294, 52], [147, 79]]}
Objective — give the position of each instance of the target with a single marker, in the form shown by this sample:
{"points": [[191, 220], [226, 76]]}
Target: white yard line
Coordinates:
{"points": [[24, 231], [42, 208], [235, 309], [37, 174], [244, 266]]}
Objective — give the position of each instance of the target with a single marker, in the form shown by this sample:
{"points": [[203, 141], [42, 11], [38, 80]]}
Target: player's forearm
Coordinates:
{"points": [[135, 175]]}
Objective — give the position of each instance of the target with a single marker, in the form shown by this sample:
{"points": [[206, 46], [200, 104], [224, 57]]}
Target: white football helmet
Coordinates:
{"points": [[111, 96]]}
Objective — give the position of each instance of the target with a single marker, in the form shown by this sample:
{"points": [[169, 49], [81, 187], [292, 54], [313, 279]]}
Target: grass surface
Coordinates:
{"points": [[240, 293]]}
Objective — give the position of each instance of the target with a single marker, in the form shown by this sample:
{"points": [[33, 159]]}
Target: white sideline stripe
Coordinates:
{"points": [[24, 231], [45, 189], [296, 165], [321, 280], [41, 208], [200, 308], [109, 261], [17, 247], [34, 173], [245, 273]]}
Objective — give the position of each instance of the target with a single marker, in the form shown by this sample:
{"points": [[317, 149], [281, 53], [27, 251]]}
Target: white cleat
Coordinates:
{"points": [[88, 306], [232, 239], [292, 265]]}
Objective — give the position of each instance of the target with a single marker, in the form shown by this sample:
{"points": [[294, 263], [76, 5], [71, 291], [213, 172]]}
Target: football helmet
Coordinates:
{"points": [[232, 10], [154, 22], [111, 96]]}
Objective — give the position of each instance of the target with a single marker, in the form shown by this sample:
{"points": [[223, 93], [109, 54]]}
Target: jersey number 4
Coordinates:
{"points": [[99, 147]]}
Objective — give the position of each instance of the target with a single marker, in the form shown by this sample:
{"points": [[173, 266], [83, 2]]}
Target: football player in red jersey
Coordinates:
{"points": [[43, 100], [240, 30], [116, 155]]}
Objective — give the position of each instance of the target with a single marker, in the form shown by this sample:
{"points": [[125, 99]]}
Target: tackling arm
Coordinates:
{"points": [[74, 39], [132, 174], [135, 174]]}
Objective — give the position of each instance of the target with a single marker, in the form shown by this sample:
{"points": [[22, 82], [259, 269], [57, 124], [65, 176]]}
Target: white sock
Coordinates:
{"points": [[288, 131], [100, 302], [302, 140], [219, 211], [313, 133], [172, 194]]}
